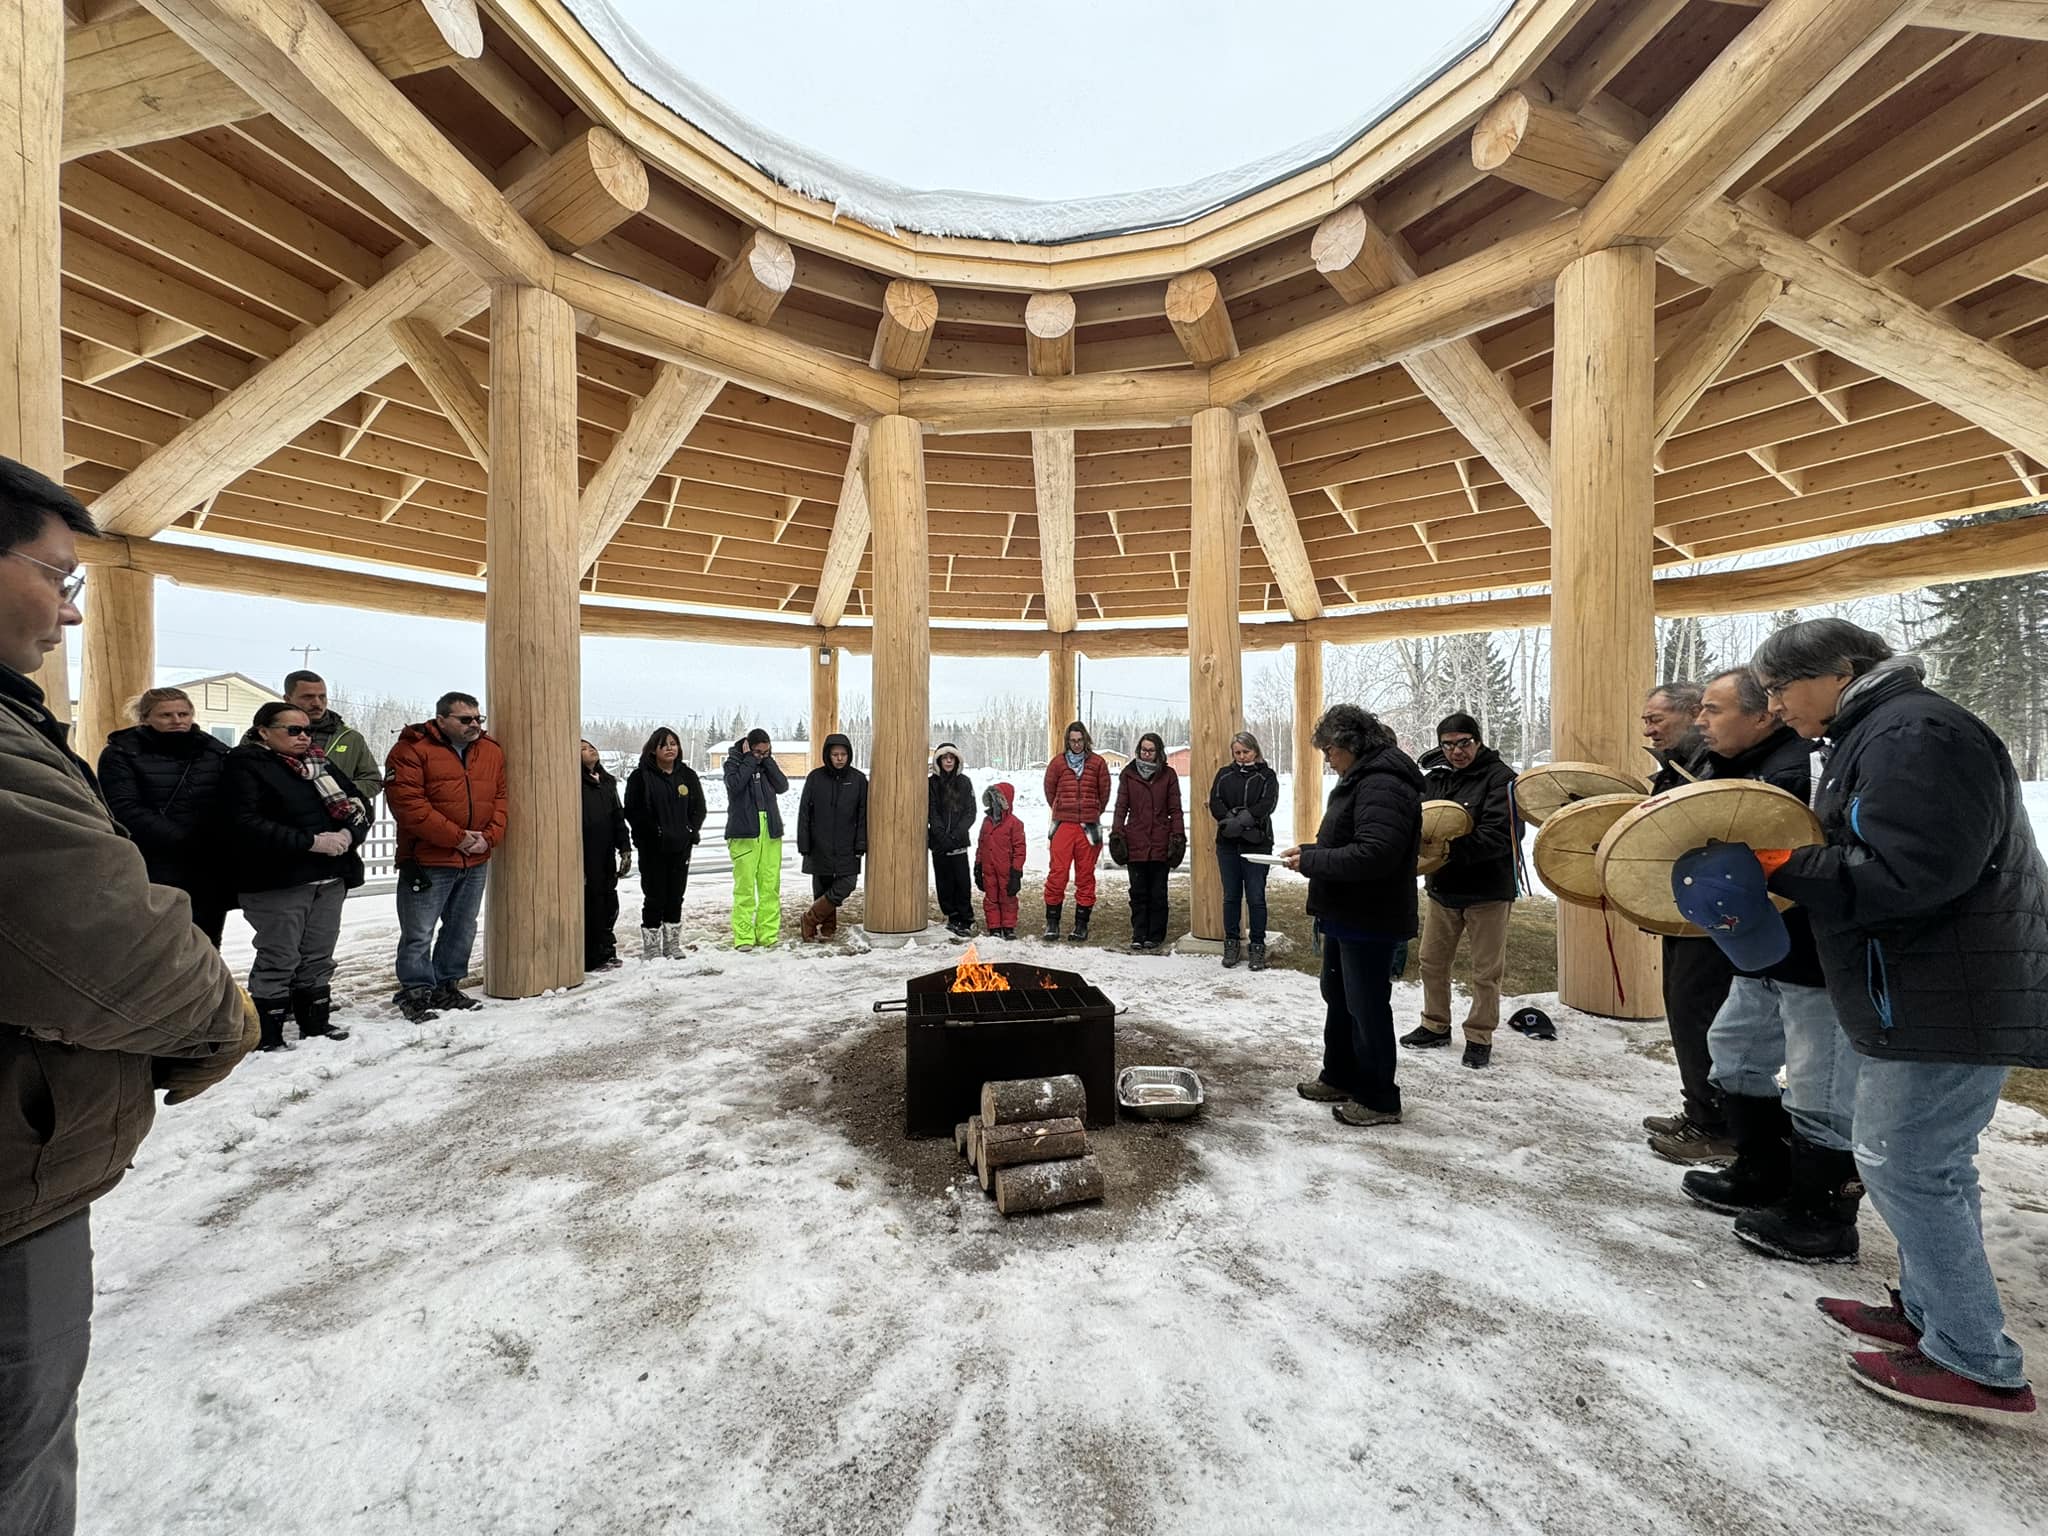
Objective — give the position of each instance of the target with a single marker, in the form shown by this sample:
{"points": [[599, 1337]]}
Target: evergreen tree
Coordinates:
{"points": [[1987, 642]]}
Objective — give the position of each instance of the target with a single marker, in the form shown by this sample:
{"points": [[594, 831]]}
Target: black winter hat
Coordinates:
{"points": [[758, 737]]}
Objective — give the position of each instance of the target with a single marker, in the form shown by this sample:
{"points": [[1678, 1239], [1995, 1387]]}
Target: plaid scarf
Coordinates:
{"points": [[340, 805]]}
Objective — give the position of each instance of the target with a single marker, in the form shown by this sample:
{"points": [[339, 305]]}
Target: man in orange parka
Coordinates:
{"points": [[1077, 793], [445, 783]]}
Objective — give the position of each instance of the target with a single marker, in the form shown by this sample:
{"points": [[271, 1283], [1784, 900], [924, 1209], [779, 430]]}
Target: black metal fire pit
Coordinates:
{"points": [[1048, 1023]]}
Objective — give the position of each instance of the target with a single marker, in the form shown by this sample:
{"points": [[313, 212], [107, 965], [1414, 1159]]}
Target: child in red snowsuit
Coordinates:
{"points": [[999, 861]]}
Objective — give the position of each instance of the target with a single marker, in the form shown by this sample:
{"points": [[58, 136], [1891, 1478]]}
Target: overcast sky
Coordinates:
{"points": [[1062, 98]]}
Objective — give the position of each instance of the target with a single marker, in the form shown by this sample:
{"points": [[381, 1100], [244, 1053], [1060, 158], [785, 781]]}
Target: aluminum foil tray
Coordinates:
{"points": [[1159, 1093]]}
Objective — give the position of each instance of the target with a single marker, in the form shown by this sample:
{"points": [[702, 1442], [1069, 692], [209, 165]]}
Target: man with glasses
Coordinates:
{"points": [[444, 781], [109, 992], [1472, 895]]}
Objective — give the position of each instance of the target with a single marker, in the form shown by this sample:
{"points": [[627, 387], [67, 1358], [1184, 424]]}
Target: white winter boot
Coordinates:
{"points": [[672, 941], [650, 943]]}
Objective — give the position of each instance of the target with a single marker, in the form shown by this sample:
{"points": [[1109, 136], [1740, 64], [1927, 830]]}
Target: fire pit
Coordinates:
{"points": [[978, 1023]]}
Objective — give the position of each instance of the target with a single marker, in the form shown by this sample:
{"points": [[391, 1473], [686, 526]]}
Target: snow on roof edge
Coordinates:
{"points": [[890, 206]]}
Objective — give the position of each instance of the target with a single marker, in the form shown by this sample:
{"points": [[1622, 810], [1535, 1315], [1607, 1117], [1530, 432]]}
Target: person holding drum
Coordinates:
{"points": [[1929, 901], [1361, 892], [1471, 895], [1792, 1187]]}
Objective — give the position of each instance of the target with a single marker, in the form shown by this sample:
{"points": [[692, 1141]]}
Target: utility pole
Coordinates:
{"points": [[305, 655]]}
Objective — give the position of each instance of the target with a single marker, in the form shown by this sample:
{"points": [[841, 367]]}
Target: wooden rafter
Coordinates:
{"points": [[439, 367], [1712, 335]]}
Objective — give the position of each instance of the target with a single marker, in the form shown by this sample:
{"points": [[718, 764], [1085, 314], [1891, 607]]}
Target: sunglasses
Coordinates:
{"points": [[467, 719], [293, 730]]}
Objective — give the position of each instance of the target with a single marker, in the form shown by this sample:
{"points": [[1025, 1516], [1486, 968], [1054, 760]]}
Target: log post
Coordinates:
{"points": [[532, 656], [31, 150], [1062, 693], [824, 694], [898, 873], [1603, 630], [120, 654], [1215, 670], [1308, 762]]}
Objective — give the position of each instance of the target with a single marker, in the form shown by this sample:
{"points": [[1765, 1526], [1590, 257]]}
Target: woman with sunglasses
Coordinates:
{"points": [[294, 825]]}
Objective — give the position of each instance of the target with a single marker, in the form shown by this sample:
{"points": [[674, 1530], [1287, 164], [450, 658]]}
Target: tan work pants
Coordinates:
{"points": [[1486, 923]]}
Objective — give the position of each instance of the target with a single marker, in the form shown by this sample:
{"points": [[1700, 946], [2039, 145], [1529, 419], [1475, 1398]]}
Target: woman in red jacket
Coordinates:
{"points": [[1149, 836], [999, 861], [1077, 793]]}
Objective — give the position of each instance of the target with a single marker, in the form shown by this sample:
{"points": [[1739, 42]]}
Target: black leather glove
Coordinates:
{"points": [[1176, 849], [1119, 848], [1016, 881]]}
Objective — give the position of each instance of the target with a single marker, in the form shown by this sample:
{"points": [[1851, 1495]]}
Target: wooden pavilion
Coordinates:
{"points": [[431, 283]]}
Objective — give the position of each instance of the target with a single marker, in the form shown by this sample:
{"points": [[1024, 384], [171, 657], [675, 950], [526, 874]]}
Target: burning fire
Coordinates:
{"points": [[974, 975]]}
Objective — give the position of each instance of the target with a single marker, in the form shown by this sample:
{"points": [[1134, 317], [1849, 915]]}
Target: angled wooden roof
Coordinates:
{"points": [[1848, 332]]}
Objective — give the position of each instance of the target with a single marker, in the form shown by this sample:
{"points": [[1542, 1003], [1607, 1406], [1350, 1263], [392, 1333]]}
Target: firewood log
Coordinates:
{"points": [[960, 1138], [1034, 1141], [1042, 1186], [973, 1144], [1033, 1098]]}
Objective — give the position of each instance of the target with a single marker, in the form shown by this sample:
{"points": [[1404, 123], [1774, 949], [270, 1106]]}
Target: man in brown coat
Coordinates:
{"points": [[110, 993]]}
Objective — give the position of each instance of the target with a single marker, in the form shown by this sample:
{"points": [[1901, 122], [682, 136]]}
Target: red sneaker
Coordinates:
{"points": [[1885, 1327], [1911, 1378]]}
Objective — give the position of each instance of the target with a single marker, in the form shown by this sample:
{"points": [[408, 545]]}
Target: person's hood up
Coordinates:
{"points": [[835, 740], [944, 749], [997, 800]]}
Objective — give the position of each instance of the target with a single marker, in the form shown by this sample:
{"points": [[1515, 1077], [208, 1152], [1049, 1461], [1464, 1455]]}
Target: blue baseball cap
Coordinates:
{"points": [[1721, 888]]}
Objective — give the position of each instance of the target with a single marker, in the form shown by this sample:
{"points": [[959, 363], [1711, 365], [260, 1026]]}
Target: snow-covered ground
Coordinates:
{"points": [[653, 1256]]}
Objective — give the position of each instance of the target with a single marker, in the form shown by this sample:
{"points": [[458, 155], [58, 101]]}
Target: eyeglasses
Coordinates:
{"points": [[1458, 743], [1774, 690], [294, 730], [467, 719], [69, 583]]}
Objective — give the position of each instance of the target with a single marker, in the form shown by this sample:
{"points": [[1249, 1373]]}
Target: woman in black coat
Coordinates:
{"points": [[949, 834], [1242, 797], [607, 858], [832, 835], [1361, 892], [665, 810], [295, 823], [161, 779]]}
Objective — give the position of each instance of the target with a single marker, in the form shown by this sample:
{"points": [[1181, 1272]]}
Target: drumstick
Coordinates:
{"points": [[1674, 765]]}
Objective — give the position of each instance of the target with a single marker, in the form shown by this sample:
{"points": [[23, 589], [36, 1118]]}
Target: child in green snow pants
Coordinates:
{"points": [[756, 888]]}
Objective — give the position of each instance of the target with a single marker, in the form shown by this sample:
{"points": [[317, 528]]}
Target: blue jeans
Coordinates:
{"points": [[1242, 879], [451, 899], [1916, 1146], [1765, 1025], [1358, 1022]]}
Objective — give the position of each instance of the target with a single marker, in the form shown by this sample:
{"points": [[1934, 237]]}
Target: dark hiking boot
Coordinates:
{"points": [[1230, 953], [312, 1009], [1351, 1112], [1666, 1125], [1693, 1144], [1422, 1038], [1884, 1326], [1081, 916], [449, 996], [1316, 1091], [1911, 1378], [1255, 954], [1815, 1223], [1053, 914], [271, 1013], [1761, 1174], [416, 1004], [1478, 1054]]}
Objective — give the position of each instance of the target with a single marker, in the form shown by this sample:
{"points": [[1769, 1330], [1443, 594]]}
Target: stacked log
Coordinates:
{"points": [[1029, 1146]]}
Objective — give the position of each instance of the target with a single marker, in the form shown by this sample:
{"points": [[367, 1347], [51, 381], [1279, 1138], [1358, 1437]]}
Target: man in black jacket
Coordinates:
{"points": [[832, 835], [1696, 973], [1792, 1187], [1472, 895], [949, 834], [1929, 902]]}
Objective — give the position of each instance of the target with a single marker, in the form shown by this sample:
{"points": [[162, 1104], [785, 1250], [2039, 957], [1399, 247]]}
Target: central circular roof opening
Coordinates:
{"points": [[1059, 121]]}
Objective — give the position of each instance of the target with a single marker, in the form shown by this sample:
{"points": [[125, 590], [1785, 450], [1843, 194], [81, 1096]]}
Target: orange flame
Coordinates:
{"points": [[974, 975]]}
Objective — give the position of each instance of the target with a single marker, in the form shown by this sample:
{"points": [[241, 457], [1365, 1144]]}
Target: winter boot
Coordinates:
{"points": [[671, 941], [449, 996], [1081, 916], [1815, 1223], [650, 943], [813, 918], [313, 1008], [1693, 1143], [828, 925], [271, 1012], [1317, 1091], [1256, 954], [1478, 1053], [1423, 1038], [1009, 933], [417, 1004], [1053, 914], [1762, 1171], [1231, 956]]}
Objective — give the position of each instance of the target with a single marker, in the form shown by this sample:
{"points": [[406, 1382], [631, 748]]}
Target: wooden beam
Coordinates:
{"points": [[898, 872], [1995, 18], [1634, 27], [1199, 317], [1360, 260], [1781, 68], [309, 74], [591, 187], [1164, 398], [1215, 656], [851, 525], [1049, 335], [1271, 511], [131, 80], [1546, 149], [439, 367], [910, 313], [1052, 464], [1308, 709], [1712, 334]]}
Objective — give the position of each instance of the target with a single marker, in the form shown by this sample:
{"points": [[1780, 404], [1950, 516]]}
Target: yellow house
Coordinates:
{"points": [[224, 704]]}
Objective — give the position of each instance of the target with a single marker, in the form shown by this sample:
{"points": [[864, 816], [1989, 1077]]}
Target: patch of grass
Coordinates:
{"points": [[2028, 1086]]}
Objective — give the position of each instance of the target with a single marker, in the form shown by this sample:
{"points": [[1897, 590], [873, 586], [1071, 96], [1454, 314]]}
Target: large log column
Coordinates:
{"points": [[1215, 661], [1308, 762], [1603, 631], [120, 654], [898, 887], [31, 371], [535, 912], [824, 695], [1062, 692]]}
